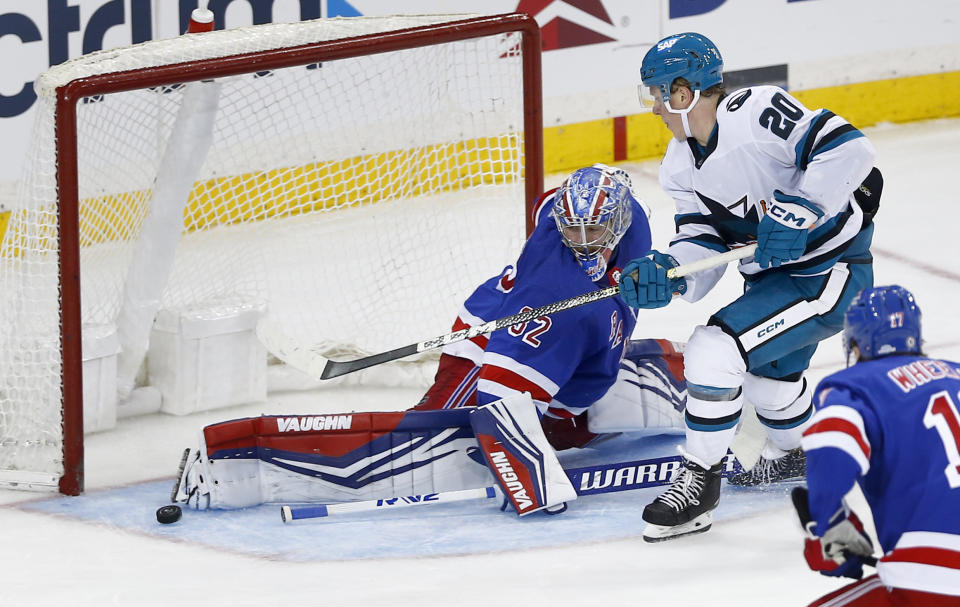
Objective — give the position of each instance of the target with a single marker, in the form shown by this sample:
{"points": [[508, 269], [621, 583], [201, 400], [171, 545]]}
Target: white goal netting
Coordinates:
{"points": [[355, 201]]}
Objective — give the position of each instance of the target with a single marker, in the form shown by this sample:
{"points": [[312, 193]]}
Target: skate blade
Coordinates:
{"points": [[660, 533]]}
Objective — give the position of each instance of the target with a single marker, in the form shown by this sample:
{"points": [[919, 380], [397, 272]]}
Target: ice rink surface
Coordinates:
{"points": [[106, 548]]}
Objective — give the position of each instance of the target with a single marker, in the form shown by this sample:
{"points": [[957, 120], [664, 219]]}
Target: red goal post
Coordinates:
{"points": [[86, 208]]}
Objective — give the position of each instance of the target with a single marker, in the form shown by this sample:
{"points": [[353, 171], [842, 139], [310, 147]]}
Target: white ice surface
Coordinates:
{"points": [[751, 556]]}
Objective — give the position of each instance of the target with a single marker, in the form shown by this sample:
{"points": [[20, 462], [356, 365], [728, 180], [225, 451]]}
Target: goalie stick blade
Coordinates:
{"points": [[289, 350], [336, 369]]}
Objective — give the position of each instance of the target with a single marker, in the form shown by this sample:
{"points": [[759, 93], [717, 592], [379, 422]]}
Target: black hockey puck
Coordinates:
{"points": [[169, 514]]}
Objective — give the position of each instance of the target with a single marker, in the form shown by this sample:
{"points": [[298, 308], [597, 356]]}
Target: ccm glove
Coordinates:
{"points": [[841, 550], [644, 282], [782, 233]]}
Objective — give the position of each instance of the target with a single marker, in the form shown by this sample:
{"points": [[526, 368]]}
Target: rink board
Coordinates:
{"points": [[461, 528]]}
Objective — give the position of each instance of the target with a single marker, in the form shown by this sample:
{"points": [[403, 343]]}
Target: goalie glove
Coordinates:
{"points": [[783, 230], [515, 449], [842, 549]]}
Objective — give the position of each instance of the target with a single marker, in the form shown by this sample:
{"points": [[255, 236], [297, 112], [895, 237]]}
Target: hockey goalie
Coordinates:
{"points": [[501, 404]]}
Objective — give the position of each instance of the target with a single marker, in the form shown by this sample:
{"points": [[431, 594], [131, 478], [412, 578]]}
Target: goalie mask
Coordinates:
{"points": [[592, 210], [881, 321]]}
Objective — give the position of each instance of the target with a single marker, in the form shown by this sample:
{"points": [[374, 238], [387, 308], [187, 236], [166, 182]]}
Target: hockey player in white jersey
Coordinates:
{"points": [[890, 422], [754, 165]]}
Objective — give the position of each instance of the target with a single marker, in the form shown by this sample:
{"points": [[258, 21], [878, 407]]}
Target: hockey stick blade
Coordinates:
{"points": [[334, 368]]}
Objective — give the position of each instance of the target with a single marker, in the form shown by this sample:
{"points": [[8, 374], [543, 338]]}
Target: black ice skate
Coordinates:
{"points": [[790, 467], [685, 508]]}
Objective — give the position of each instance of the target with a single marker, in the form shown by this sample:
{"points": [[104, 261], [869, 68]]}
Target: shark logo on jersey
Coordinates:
{"points": [[733, 229], [740, 203]]}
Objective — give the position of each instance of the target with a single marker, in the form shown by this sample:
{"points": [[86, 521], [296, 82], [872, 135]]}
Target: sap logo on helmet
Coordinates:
{"points": [[668, 43], [769, 329], [511, 481], [314, 423]]}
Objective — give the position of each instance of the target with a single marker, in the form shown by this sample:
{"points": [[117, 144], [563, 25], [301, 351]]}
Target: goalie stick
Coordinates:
{"points": [[588, 480], [311, 362]]}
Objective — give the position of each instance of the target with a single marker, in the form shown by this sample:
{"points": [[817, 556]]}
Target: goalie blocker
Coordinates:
{"points": [[516, 451]]}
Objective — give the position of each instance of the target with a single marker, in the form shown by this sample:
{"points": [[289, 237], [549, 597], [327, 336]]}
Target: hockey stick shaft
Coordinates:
{"points": [[588, 480], [334, 368], [293, 513]]}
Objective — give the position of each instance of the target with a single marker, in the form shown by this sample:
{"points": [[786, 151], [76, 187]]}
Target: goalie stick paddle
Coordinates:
{"points": [[588, 480], [334, 368]]}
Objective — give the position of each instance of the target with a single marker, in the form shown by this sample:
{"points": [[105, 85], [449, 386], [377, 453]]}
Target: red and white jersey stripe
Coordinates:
{"points": [[924, 560], [842, 428], [471, 349], [502, 376]]}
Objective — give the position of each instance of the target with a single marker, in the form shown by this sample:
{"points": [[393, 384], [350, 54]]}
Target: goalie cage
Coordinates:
{"points": [[352, 154]]}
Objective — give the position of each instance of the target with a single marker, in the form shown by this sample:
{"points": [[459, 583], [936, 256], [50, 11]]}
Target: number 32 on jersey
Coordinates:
{"points": [[529, 335]]}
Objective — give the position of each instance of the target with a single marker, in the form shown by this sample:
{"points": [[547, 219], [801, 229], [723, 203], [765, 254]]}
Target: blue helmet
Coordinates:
{"points": [[688, 55], [592, 210], [882, 321]]}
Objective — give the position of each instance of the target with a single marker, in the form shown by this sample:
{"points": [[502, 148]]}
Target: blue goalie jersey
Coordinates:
{"points": [[893, 425], [567, 360]]}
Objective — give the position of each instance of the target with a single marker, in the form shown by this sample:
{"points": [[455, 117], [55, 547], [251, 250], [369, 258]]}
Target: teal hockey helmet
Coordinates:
{"points": [[688, 55]]}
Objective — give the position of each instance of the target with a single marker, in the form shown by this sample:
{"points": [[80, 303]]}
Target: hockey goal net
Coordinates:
{"points": [[349, 179]]}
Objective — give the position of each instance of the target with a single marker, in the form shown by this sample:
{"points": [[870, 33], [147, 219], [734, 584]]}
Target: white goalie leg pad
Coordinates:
{"points": [[640, 398], [785, 410], [222, 484], [517, 452]]}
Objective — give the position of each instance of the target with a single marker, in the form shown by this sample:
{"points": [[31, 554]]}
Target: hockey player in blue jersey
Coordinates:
{"points": [[891, 423], [751, 166], [582, 372], [585, 230]]}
